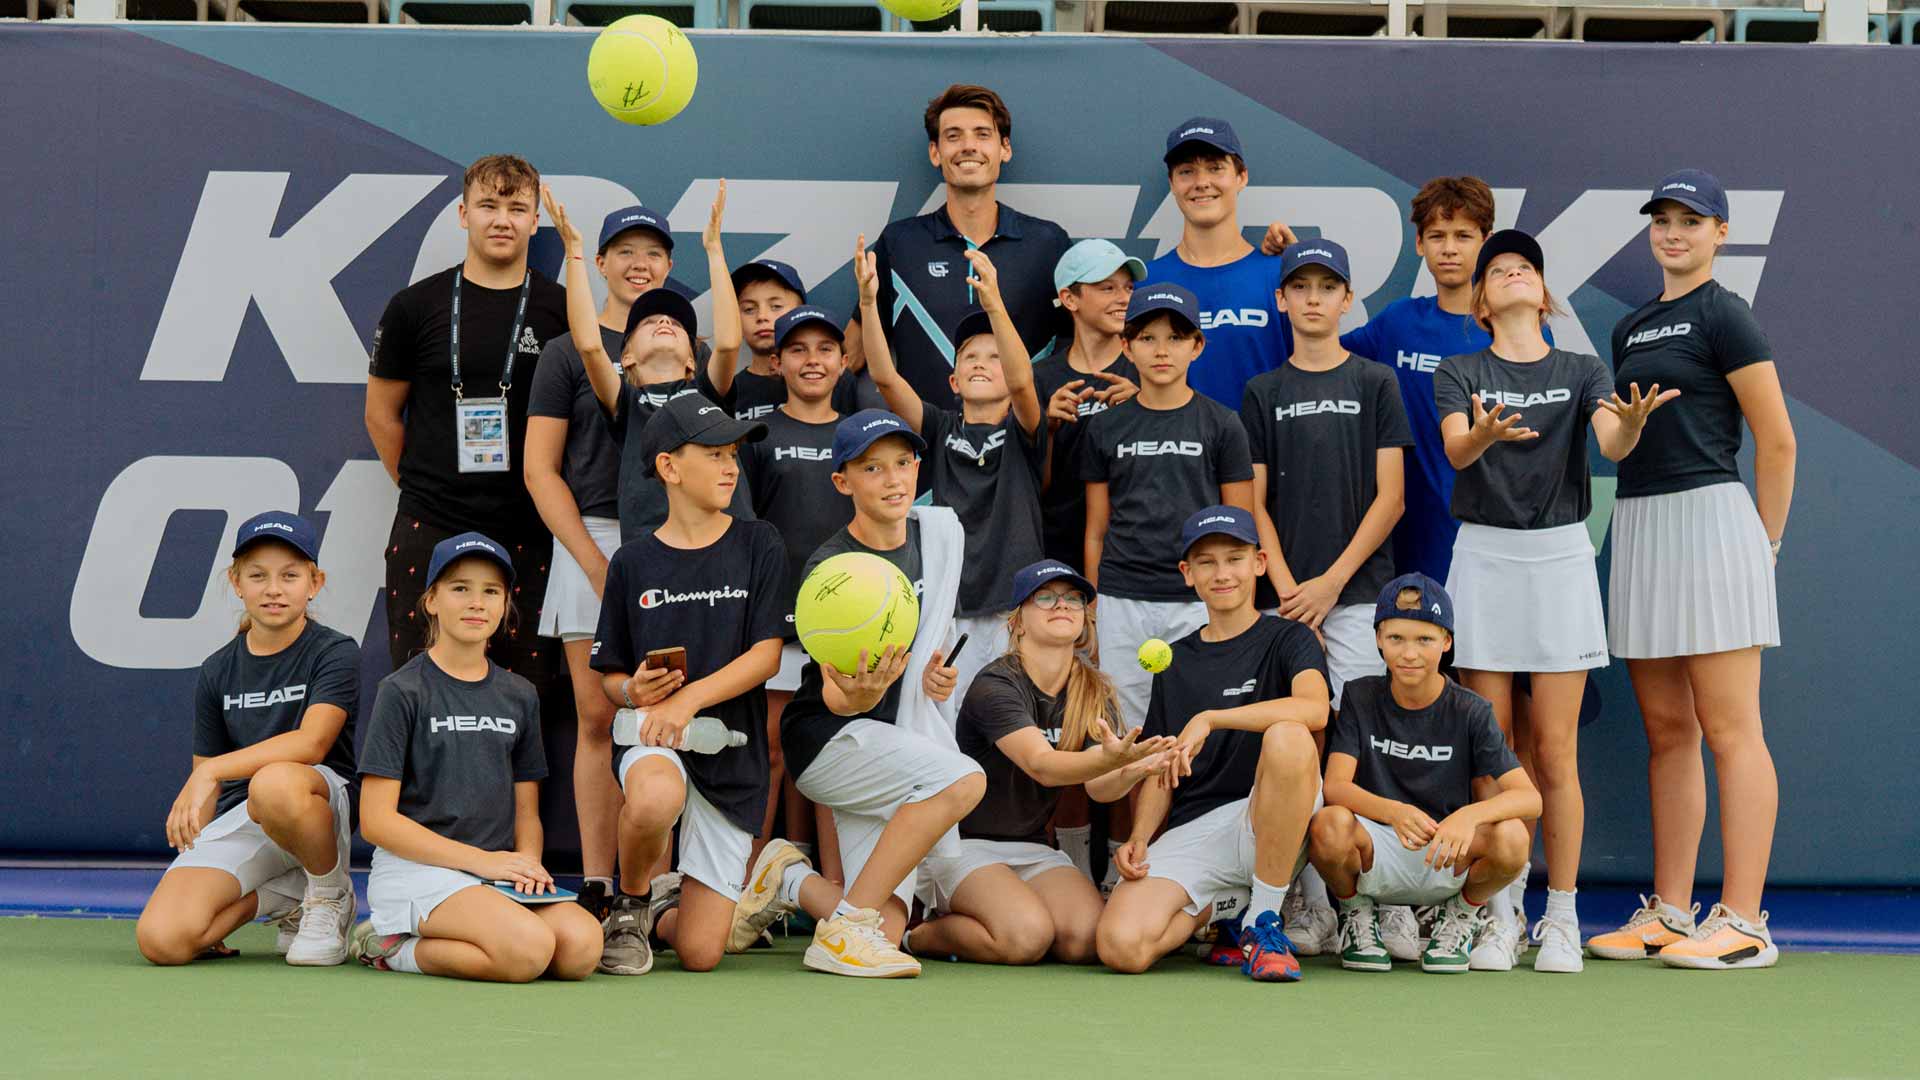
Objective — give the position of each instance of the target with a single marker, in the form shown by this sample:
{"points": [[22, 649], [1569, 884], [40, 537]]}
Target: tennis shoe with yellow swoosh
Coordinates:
{"points": [[854, 945], [760, 905]]}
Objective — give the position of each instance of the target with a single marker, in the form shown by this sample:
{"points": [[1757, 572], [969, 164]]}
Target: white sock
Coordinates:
{"points": [[404, 960], [1077, 842], [1560, 905], [1517, 888], [334, 881], [844, 908], [1113, 866], [1500, 906], [1265, 898], [790, 882], [1313, 887]]}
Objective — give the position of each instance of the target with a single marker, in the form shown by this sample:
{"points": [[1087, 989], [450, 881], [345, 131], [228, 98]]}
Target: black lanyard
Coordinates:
{"points": [[513, 341]]}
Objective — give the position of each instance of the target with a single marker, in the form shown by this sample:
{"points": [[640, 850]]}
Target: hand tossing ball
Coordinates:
{"points": [[852, 602], [1155, 655], [642, 70]]}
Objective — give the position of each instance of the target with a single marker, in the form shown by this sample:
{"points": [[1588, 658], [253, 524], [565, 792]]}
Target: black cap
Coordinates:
{"points": [[663, 300], [691, 418], [1509, 242], [976, 321], [1433, 605]]}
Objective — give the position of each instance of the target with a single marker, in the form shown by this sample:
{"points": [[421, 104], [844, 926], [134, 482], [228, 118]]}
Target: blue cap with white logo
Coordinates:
{"points": [[1163, 296], [769, 270], [288, 528], [1694, 188], [866, 427], [1218, 520], [635, 217], [805, 315], [1091, 261], [1028, 579], [1321, 252], [1432, 605], [455, 548], [1207, 130]]}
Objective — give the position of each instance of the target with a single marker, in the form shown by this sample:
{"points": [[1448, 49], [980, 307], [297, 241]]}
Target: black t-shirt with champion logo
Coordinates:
{"points": [[716, 602], [243, 699], [1429, 757], [791, 473], [591, 462], [1001, 701], [413, 343], [1539, 483], [457, 748], [807, 724], [1257, 664], [643, 497], [990, 475], [1319, 434], [1159, 465], [1691, 344], [1063, 528], [756, 397]]}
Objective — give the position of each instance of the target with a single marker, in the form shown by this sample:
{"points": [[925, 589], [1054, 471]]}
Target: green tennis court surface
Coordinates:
{"points": [[77, 999]]}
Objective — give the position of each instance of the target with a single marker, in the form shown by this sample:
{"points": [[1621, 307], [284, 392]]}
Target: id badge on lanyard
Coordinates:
{"points": [[480, 424]]}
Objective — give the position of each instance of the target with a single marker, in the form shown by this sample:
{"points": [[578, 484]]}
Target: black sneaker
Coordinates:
{"points": [[597, 899]]}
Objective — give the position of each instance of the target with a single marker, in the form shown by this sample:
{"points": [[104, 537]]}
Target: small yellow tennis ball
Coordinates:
{"points": [[642, 70], [920, 10], [1155, 655]]}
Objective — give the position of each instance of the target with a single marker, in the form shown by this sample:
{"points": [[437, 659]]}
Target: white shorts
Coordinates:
{"points": [[1122, 625], [792, 659], [236, 843], [986, 642], [1400, 876], [866, 773], [713, 850], [1526, 600], [944, 874], [1212, 857], [401, 893], [1352, 652], [571, 611]]}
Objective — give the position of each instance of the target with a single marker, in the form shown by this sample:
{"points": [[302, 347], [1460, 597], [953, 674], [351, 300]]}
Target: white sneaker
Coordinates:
{"points": [[1399, 933], [1313, 928], [1493, 945], [854, 945], [279, 903], [1559, 945], [326, 922], [1518, 890]]}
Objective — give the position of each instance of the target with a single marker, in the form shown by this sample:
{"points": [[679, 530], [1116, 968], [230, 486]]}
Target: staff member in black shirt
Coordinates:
{"points": [[447, 389]]}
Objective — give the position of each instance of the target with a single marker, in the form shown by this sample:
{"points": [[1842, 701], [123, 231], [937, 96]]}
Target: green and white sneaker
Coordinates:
{"points": [[1360, 945], [1449, 950]]}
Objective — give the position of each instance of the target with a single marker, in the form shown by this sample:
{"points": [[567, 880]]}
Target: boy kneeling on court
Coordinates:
{"points": [[1244, 694], [712, 588], [1400, 825]]}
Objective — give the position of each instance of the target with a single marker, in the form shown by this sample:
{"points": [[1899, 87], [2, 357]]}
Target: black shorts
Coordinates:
{"points": [[515, 646]]}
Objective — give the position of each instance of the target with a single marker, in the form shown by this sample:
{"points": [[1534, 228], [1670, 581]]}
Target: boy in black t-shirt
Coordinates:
{"points": [[985, 460], [768, 289], [1244, 695], [1401, 826], [1149, 463], [715, 587]]}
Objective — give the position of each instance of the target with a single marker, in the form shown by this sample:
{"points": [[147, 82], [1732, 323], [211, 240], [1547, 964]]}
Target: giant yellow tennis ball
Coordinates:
{"points": [[1155, 655], [920, 10], [642, 70], [851, 602]]}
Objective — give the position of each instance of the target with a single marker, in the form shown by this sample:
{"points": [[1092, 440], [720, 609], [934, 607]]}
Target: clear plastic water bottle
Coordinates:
{"points": [[705, 735]]}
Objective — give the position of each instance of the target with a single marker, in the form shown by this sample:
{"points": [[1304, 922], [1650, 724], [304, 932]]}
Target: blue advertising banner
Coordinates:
{"points": [[205, 224]]}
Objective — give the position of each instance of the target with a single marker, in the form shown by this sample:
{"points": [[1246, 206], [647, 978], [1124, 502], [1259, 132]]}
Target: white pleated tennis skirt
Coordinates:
{"points": [[1692, 574], [1526, 600]]}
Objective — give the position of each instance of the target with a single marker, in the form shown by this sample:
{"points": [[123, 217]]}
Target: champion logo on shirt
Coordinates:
{"points": [[505, 725], [1155, 448], [653, 598], [1416, 361], [1490, 398], [802, 453], [1310, 408], [1245, 687], [1407, 752], [1644, 336], [260, 699], [529, 343], [994, 442]]}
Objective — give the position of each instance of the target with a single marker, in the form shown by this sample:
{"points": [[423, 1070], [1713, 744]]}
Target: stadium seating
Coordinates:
{"points": [[1790, 25], [815, 15], [693, 14], [1490, 21], [1001, 16], [1317, 19], [1149, 17], [455, 12], [1677, 23]]}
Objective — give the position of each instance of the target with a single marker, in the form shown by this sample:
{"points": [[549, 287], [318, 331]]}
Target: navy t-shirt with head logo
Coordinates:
{"points": [[457, 747], [755, 396], [1159, 465], [990, 475], [1257, 664], [243, 699], [1428, 757], [1319, 433], [643, 496], [1539, 483], [791, 473], [716, 602], [1691, 344], [1063, 528]]}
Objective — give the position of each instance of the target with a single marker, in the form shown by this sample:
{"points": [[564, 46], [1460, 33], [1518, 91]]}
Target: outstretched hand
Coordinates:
{"points": [[710, 237], [1490, 427], [866, 271], [1633, 413], [569, 235]]}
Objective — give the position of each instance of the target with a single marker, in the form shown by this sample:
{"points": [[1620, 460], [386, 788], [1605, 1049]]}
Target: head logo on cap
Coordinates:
{"points": [[1681, 185], [882, 422], [280, 525], [473, 544], [1195, 131], [1318, 251], [1215, 520], [1165, 296]]}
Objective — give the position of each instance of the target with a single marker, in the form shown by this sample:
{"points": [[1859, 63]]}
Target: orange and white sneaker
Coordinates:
{"points": [[1652, 928], [760, 905], [1723, 942], [855, 945]]}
